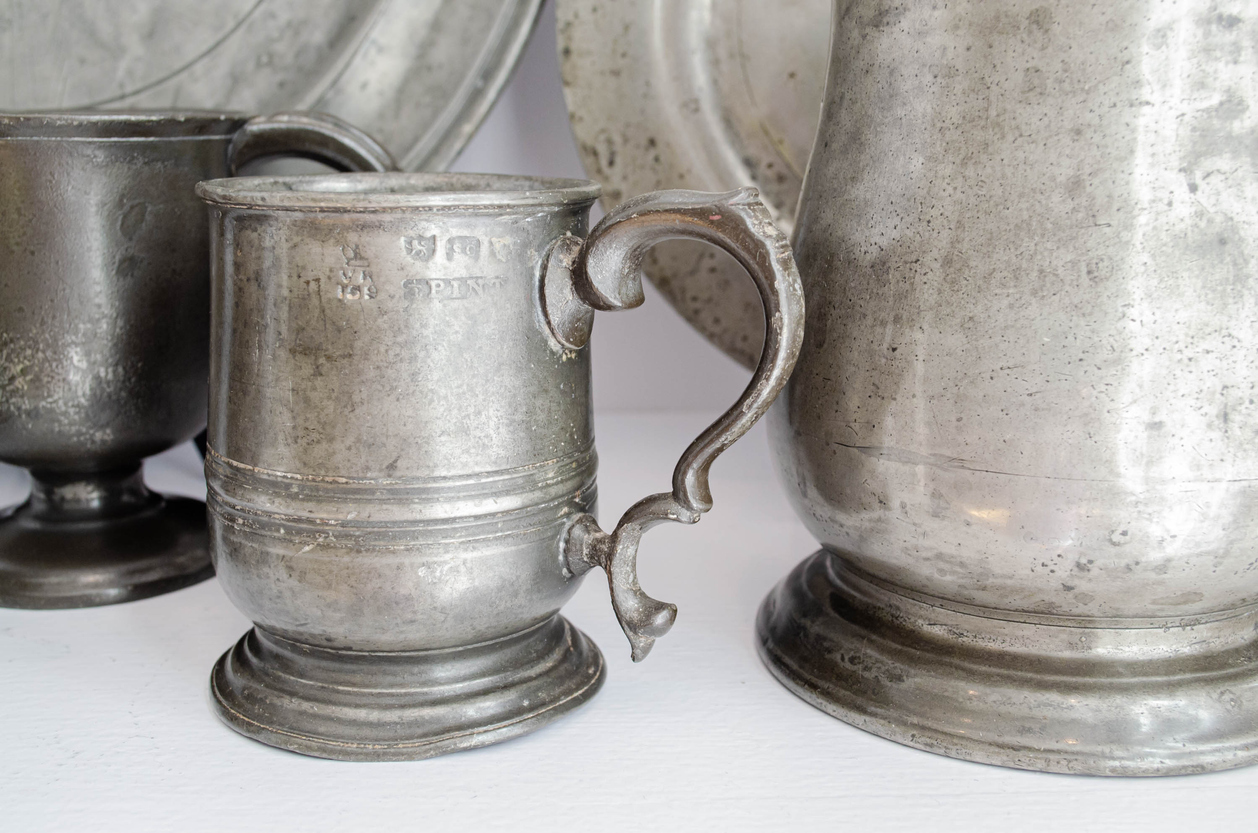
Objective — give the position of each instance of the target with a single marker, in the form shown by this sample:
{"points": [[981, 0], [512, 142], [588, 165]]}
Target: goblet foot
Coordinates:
{"points": [[400, 706], [1102, 698], [99, 539]]}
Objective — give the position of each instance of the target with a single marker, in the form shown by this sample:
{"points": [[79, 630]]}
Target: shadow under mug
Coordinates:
{"points": [[401, 463], [104, 334]]}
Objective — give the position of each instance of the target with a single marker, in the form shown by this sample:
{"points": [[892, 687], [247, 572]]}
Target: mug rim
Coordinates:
{"points": [[120, 125], [395, 190]]}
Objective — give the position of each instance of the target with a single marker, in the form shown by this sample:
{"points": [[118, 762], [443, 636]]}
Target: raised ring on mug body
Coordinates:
{"points": [[484, 504], [353, 533]]}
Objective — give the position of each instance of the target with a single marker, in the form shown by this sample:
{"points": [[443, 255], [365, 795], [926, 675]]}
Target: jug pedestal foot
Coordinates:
{"points": [[401, 706], [1057, 695], [99, 539]]}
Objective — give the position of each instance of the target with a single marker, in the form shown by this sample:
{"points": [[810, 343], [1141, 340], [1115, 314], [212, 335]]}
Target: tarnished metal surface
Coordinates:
{"points": [[419, 75], [1026, 397], [401, 451], [710, 94], [104, 335]]}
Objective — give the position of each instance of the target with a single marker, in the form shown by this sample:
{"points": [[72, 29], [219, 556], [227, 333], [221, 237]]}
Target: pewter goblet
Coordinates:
{"points": [[104, 335]]}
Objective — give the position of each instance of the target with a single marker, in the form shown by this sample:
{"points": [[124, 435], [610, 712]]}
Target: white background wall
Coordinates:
{"points": [[527, 133]]}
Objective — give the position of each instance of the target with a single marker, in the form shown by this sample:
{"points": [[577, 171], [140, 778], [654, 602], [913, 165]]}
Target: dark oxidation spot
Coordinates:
{"points": [[132, 220]]}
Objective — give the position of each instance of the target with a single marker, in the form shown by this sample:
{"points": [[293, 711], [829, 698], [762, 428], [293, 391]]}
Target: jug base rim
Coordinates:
{"points": [[945, 682]]}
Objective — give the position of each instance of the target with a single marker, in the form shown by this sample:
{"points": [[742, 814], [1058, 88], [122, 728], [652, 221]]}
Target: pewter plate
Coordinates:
{"points": [[419, 75], [703, 94]]}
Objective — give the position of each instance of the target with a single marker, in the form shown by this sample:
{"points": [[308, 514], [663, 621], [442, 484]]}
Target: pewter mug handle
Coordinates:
{"points": [[605, 273], [316, 136]]}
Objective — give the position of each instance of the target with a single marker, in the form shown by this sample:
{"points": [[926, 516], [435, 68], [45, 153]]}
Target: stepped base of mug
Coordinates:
{"points": [[401, 706], [1160, 698], [84, 562]]}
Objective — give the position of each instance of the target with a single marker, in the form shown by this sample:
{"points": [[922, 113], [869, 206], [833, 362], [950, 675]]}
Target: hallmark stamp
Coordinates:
{"points": [[423, 248], [501, 248], [353, 281], [420, 248], [463, 246]]}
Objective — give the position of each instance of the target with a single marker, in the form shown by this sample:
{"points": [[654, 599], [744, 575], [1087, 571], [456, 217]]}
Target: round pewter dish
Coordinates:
{"points": [[698, 94], [418, 75]]}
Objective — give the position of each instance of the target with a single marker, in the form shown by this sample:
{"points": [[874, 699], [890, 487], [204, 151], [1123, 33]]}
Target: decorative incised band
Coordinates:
{"points": [[398, 511]]}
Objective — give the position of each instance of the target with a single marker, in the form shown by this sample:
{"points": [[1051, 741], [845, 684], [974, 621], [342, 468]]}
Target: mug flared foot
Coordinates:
{"points": [[403, 705]]}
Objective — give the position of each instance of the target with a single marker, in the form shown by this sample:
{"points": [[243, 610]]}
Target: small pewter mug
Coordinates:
{"points": [[104, 335], [1024, 425], [401, 455]]}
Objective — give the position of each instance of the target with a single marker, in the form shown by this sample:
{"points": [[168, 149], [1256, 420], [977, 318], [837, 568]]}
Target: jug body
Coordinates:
{"points": [[1025, 393]]}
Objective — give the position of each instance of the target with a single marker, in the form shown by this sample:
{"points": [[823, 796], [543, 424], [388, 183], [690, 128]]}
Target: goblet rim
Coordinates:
{"points": [[120, 125], [396, 190]]}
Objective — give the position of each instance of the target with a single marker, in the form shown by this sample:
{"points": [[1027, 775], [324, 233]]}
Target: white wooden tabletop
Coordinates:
{"points": [[105, 722]]}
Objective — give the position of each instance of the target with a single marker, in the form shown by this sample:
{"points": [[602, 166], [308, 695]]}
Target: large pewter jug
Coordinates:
{"points": [[1024, 424], [104, 334], [401, 450]]}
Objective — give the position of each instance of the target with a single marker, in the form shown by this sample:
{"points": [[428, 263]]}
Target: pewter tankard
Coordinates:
{"points": [[1024, 424], [104, 335], [401, 455]]}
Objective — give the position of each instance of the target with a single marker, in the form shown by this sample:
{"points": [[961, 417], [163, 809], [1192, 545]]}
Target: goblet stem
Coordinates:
{"points": [[76, 497], [93, 538]]}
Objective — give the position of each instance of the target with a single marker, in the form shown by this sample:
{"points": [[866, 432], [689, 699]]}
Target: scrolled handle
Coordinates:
{"points": [[605, 273], [310, 135]]}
